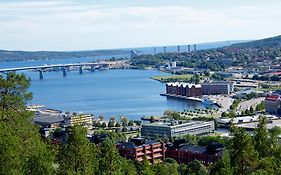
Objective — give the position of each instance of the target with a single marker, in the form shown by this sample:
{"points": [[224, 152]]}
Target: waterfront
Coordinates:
{"points": [[112, 92]]}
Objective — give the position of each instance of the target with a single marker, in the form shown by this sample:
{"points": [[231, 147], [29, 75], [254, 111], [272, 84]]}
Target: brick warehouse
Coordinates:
{"points": [[184, 89]]}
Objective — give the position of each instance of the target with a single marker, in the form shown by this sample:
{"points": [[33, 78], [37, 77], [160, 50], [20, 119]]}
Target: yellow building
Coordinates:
{"points": [[84, 120]]}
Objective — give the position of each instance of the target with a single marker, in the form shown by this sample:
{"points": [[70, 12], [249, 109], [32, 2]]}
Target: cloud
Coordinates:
{"points": [[72, 25]]}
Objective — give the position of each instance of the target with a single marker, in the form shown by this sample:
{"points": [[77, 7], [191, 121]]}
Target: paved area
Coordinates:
{"points": [[247, 104], [253, 125], [224, 100]]}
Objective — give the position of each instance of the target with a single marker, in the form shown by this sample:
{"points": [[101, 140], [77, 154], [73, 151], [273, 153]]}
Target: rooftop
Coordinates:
{"points": [[176, 123], [179, 84], [137, 142], [272, 97]]}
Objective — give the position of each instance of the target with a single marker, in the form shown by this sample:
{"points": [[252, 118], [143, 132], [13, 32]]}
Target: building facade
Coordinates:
{"points": [[84, 120], [184, 89], [196, 90], [216, 88], [186, 153], [272, 103], [139, 149], [177, 128]]}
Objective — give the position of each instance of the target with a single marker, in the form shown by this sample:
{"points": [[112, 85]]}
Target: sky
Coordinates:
{"points": [[67, 25]]}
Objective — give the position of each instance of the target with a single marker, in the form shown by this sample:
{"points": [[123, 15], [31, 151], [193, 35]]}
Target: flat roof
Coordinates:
{"points": [[253, 125], [170, 124]]}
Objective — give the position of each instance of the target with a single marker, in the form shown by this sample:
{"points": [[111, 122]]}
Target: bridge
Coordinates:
{"points": [[62, 67]]}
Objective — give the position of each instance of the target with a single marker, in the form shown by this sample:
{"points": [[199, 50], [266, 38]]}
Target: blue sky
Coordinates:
{"points": [[105, 24]]}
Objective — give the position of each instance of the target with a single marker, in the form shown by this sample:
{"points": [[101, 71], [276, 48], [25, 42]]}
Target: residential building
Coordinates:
{"points": [[272, 103], [217, 88], [140, 148], [84, 120], [177, 128]]}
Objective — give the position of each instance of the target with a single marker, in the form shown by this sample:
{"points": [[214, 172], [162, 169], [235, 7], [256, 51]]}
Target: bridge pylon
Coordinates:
{"points": [[41, 74], [80, 70], [64, 71]]}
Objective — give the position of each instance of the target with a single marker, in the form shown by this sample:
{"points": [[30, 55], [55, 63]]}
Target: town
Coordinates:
{"points": [[140, 87], [237, 100]]}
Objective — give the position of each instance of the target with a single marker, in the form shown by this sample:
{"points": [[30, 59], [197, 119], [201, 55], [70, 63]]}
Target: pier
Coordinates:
{"points": [[183, 97]]}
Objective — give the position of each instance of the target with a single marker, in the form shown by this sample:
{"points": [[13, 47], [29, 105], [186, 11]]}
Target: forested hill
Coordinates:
{"points": [[45, 55], [263, 43]]}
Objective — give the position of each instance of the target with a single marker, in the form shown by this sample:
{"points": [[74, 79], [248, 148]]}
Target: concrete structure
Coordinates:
{"points": [[216, 88], [186, 153], [177, 128], [140, 148], [184, 89], [272, 103], [62, 67]]}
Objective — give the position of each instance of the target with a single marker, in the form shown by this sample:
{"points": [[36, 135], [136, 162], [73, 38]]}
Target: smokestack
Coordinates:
{"points": [[179, 49], [165, 51], [188, 48], [194, 47]]}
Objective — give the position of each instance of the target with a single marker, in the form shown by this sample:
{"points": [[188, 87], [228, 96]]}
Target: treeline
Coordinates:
{"points": [[23, 151], [267, 42], [245, 54], [266, 77], [9, 56]]}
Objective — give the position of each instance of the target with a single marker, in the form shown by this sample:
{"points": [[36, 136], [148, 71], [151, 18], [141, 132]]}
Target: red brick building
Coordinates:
{"points": [[184, 89], [272, 103], [139, 149], [186, 153]]}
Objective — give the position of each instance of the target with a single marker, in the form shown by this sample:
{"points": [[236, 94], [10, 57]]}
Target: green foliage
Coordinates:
{"points": [[222, 166], [21, 149], [76, 157], [261, 138], [223, 114], [235, 104], [243, 155], [197, 168], [109, 159]]}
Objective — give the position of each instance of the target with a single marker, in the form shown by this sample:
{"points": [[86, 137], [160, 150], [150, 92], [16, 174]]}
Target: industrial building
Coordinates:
{"points": [[197, 90], [184, 89], [177, 128]]}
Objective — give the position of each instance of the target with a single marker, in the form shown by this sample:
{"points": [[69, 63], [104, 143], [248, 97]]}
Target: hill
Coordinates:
{"points": [[7, 56], [271, 42]]}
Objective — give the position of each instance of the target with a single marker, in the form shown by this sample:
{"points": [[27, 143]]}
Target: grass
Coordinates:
{"points": [[168, 78]]}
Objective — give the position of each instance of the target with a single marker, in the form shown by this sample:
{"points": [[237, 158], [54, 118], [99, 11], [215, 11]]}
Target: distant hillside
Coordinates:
{"points": [[263, 43], [183, 48], [46, 55]]}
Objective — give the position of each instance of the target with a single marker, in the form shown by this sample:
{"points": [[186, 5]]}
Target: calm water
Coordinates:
{"points": [[110, 93]]}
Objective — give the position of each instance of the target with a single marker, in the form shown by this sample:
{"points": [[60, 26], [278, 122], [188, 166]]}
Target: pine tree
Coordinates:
{"points": [[109, 159], [222, 166], [21, 148], [76, 157], [242, 152], [261, 138]]}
